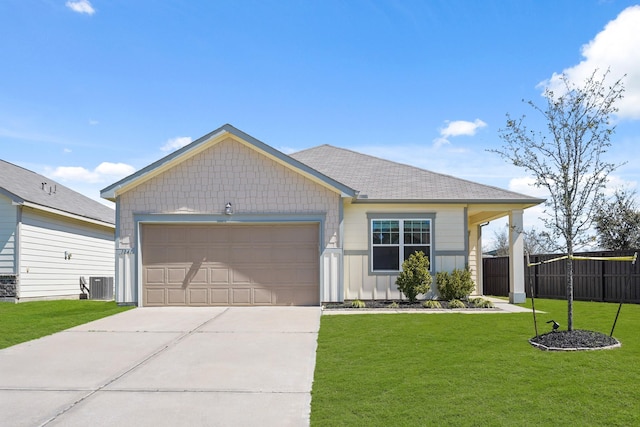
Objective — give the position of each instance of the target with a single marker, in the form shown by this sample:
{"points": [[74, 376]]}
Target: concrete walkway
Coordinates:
{"points": [[167, 367]]}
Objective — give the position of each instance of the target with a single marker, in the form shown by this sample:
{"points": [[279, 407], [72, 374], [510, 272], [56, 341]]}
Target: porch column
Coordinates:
{"points": [[516, 257]]}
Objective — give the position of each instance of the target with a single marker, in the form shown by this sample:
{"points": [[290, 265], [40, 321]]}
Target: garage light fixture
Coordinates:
{"points": [[228, 209]]}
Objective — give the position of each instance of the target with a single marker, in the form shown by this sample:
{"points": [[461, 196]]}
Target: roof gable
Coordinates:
{"points": [[25, 187], [383, 180], [209, 140]]}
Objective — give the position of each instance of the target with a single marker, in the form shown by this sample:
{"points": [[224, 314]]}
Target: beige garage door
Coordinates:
{"points": [[230, 264]]}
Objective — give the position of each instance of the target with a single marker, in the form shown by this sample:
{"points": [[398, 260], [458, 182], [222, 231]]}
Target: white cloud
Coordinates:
{"points": [[616, 48], [457, 128], [93, 122], [105, 172], [81, 6], [67, 150], [175, 143]]}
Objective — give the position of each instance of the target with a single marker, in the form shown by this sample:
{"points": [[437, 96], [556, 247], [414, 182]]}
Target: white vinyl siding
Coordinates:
{"points": [[44, 239], [8, 225]]}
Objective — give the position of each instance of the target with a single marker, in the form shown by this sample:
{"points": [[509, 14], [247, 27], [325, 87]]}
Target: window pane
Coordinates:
{"points": [[416, 232], [386, 258], [408, 250], [385, 232]]}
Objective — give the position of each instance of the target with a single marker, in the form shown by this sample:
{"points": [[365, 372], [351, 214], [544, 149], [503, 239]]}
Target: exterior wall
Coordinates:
{"points": [[450, 246], [8, 227], [228, 172], [44, 239]]}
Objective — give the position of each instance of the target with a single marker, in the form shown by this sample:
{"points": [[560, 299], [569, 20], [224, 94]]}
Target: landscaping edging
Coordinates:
{"points": [[576, 340]]}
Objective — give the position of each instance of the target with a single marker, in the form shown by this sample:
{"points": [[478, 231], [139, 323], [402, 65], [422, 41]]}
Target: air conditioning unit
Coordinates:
{"points": [[101, 288]]}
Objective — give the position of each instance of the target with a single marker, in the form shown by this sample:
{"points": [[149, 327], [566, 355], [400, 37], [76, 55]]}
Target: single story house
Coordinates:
{"points": [[50, 237], [230, 220]]}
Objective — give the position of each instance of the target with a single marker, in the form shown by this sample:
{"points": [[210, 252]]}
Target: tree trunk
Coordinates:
{"points": [[570, 293]]}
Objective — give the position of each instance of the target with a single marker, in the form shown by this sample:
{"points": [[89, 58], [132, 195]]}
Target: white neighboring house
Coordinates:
{"points": [[50, 237]]}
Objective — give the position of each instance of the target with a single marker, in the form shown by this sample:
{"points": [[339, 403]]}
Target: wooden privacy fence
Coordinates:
{"points": [[593, 280]]}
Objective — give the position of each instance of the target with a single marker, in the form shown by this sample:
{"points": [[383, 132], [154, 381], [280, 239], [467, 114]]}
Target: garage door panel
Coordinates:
{"points": [[199, 296], [220, 296], [176, 275], [176, 296], [197, 235], [227, 264], [155, 296], [218, 254], [262, 296], [176, 235], [219, 275], [241, 296], [197, 253], [155, 275]]}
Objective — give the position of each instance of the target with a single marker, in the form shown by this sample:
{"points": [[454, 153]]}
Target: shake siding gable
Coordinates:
{"points": [[230, 171], [8, 224], [44, 271]]}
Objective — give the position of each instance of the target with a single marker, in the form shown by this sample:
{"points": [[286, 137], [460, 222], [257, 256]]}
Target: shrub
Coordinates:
{"points": [[394, 305], [455, 285], [356, 303], [414, 278], [431, 303], [481, 303], [456, 303]]}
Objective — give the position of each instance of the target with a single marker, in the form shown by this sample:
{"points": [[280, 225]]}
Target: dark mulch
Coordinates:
{"points": [[380, 304], [573, 340]]}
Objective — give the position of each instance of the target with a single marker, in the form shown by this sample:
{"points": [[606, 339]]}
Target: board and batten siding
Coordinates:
{"points": [[44, 239], [450, 230], [8, 225]]}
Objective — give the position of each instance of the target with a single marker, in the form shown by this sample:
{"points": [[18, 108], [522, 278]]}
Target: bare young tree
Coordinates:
{"points": [[567, 158]]}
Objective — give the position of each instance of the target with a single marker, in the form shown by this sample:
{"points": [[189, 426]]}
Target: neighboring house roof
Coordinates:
{"points": [[383, 180], [28, 188], [208, 140]]}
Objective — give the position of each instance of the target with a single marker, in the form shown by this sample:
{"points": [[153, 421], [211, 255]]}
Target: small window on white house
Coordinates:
{"points": [[394, 240]]}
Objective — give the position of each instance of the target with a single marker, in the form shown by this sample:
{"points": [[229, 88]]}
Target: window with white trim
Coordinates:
{"points": [[394, 240]]}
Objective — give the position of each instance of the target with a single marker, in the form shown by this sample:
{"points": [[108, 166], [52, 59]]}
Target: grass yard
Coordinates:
{"points": [[29, 320], [475, 370]]}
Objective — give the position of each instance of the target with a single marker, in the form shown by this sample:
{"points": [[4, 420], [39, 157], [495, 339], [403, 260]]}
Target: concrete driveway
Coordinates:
{"points": [[235, 366]]}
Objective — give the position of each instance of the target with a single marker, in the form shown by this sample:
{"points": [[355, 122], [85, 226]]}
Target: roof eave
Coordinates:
{"points": [[66, 214], [527, 203]]}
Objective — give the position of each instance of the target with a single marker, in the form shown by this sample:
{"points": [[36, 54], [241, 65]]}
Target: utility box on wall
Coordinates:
{"points": [[101, 288]]}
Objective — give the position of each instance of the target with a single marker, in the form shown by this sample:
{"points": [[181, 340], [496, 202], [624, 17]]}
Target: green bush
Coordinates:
{"points": [[455, 285], [356, 303], [431, 303], [393, 305], [481, 303], [456, 303], [414, 278]]}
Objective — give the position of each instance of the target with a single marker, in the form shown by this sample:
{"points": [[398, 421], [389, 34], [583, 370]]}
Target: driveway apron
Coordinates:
{"points": [[221, 366]]}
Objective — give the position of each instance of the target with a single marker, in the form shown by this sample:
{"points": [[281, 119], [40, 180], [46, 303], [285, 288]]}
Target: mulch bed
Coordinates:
{"points": [[382, 304], [574, 340]]}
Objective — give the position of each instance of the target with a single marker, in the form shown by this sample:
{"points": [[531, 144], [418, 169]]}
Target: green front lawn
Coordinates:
{"points": [[474, 370], [29, 320]]}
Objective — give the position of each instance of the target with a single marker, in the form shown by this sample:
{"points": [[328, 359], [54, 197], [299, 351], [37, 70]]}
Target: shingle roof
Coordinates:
{"points": [[23, 185], [380, 179]]}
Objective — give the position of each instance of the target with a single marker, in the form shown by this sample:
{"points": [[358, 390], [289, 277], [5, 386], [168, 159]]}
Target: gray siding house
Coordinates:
{"points": [[229, 220], [50, 236]]}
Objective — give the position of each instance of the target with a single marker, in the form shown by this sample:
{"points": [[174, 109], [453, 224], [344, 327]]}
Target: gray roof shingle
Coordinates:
{"points": [[385, 180], [23, 185]]}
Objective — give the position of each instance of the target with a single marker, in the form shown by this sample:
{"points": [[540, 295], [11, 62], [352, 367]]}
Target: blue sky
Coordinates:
{"points": [[92, 90]]}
